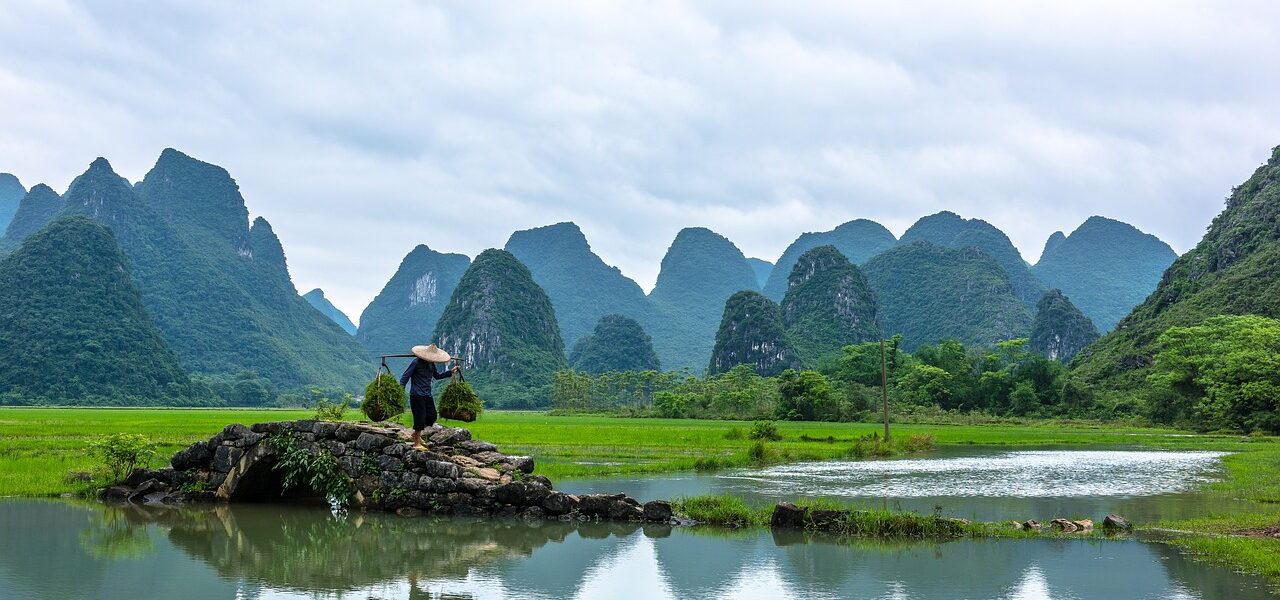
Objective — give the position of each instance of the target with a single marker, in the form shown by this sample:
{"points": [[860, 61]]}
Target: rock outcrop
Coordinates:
{"points": [[456, 475]]}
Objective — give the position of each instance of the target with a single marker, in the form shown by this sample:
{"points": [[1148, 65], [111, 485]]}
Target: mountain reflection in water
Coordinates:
{"points": [[65, 550]]}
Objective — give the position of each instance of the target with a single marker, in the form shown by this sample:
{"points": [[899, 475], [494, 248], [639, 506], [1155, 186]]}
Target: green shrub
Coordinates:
{"points": [[919, 442], [871, 446], [315, 469], [121, 453], [384, 398], [328, 410], [758, 452], [734, 433], [725, 511], [765, 430]]}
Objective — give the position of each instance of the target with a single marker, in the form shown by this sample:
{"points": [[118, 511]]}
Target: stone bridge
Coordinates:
{"points": [[455, 475]]}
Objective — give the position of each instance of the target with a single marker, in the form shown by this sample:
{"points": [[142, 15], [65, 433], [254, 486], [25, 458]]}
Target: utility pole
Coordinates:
{"points": [[884, 390]]}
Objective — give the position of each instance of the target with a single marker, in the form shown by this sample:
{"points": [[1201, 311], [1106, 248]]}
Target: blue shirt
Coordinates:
{"points": [[422, 373]]}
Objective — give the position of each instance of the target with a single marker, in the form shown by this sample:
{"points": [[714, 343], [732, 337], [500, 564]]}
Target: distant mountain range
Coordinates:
{"points": [[1106, 267], [217, 288]]}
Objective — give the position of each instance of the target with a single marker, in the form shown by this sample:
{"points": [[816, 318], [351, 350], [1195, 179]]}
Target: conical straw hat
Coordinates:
{"points": [[431, 353]]}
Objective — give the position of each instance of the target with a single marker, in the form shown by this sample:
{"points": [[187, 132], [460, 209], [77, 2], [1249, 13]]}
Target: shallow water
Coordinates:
{"points": [[64, 551], [984, 483]]}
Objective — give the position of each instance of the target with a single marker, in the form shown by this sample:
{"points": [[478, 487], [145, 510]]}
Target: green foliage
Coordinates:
{"points": [[1234, 270], [861, 363], [1221, 374], [326, 409], [1106, 267], [1006, 381], [828, 305], [384, 398], [405, 312], [313, 469], [120, 453], [1060, 330], [460, 402], [617, 344], [950, 230], [75, 330], [583, 289], [765, 430], [919, 442], [758, 452], [503, 324], [734, 433], [857, 240], [699, 272], [316, 299], [805, 396], [738, 394], [927, 293], [724, 511], [871, 445], [751, 333]]}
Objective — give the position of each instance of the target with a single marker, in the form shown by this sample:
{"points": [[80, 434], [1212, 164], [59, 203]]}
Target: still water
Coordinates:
{"points": [[981, 483], [66, 550]]}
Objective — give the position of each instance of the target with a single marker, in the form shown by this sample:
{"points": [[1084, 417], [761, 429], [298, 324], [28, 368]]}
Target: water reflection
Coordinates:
{"points": [[64, 551], [972, 482]]}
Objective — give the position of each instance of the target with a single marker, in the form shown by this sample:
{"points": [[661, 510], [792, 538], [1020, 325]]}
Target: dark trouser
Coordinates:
{"points": [[424, 411]]}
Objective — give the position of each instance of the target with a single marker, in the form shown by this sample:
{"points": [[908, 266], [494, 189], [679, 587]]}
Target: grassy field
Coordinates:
{"points": [[39, 447]]}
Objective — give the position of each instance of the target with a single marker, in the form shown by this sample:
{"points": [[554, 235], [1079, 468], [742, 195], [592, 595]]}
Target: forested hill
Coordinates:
{"points": [[316, 298], [405, 312], [36, 209], [220, 296], [1060, 330], [503, 324], [859, 240], [828, 306], [950, 230], [928, 293], [618, 343], [699, 272], [581, 286], [751, 333], [1234, 270], [11, 193], [75, 330], [1106, 267]]}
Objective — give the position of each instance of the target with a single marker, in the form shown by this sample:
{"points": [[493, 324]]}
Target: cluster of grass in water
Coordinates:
{"points": [[831, 517]]}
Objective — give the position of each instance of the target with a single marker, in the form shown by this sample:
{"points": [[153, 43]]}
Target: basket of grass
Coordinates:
{"points": [[383, 397], [459, 402]]}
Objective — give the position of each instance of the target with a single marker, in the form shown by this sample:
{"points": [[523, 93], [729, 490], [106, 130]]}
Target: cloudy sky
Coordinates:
{"points": [[362, 129]]}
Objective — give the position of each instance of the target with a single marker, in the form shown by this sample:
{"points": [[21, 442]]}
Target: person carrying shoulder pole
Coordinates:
{"points": [[421, 373]]}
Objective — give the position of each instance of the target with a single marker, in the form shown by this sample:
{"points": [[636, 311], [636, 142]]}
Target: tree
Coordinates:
{"points": [[1221, 374], [805, 396]]}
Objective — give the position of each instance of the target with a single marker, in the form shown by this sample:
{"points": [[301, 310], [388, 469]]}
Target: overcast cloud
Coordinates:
{"points": [[362, 129]]}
